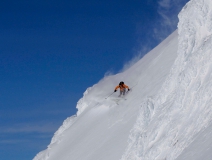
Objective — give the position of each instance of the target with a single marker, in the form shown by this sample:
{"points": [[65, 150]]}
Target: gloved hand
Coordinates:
{"points": [[115, 90]]}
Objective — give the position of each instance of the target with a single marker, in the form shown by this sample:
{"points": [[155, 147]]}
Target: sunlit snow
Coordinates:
{"points": [[166, 115]]}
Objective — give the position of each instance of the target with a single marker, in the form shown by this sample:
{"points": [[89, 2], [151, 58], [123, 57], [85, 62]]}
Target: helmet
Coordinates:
{"points": [[121, 83]]}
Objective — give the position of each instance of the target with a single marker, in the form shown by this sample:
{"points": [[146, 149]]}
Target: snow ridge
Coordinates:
{"points": [[168, 121], [81, 106], [44, 155]]}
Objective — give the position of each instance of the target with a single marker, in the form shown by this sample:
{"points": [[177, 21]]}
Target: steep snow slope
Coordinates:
{"points": [[102, 126], [170, 121], [201, 28], [166, 115], [200, 148]]}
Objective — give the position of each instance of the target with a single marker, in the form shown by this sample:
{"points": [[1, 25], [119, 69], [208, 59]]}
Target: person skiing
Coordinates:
{"points": [[122, 87]]}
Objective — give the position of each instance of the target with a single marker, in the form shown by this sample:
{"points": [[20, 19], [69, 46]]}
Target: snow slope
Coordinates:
{"points": [[166, 115], [168, 122], [102, 126]]}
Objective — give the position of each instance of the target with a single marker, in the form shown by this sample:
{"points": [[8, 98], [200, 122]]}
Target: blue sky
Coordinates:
{"points": [[52, 51]]}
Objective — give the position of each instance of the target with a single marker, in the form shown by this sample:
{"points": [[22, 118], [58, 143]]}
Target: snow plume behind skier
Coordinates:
{"points": [[122, 88]]}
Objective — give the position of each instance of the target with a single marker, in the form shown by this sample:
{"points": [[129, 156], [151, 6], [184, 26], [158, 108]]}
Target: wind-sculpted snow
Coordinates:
{"points": [[58, 135], [81, 104], [168, 121], [56, 138]]}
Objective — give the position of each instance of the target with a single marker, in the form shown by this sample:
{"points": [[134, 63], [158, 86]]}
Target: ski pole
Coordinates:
{"points": [[109, 95]]}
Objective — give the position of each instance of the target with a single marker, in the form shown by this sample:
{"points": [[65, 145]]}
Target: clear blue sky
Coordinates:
{"points": [[52, 51]]}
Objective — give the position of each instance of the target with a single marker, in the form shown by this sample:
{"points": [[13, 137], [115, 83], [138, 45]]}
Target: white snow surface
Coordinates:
{"points": [[167, 114]]}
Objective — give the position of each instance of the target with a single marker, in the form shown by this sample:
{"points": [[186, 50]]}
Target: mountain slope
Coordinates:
{"points": [[101, 128], [166, 115], [170, 121]]}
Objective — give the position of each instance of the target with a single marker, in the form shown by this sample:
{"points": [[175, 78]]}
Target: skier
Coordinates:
{"points": [[122, 87]]}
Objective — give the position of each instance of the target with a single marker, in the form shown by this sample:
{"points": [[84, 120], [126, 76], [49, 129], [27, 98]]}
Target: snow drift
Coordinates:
{"points": [[169, 103]]}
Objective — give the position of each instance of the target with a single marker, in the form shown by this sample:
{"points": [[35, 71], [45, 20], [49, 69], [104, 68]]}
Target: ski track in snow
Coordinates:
{"points": [[169, 121]]}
